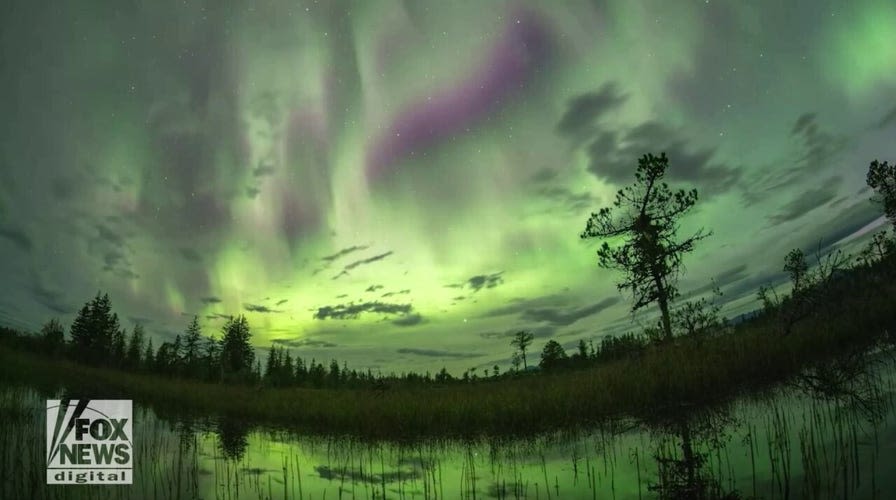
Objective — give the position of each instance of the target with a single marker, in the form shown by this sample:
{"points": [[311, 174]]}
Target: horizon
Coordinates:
{"points": [[358, 190]]}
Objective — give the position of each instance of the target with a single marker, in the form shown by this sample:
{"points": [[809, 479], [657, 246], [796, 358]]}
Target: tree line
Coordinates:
{"points": [[643, 222]]}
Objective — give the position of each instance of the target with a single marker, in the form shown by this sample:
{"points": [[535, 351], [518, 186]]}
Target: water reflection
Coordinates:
{"points": [[682, 455], [232, 437], [830, 434]]}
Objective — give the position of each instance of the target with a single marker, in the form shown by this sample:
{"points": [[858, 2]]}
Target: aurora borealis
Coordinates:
{"points": [[401, 185]]}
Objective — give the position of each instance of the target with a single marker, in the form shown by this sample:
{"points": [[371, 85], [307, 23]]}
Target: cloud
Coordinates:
{"points": [[343, 252], [750, 286], [481, 281], [408, 320], [108, 235], [17, 237], [434, 353], [539, 332], [827, 233], [582, 111], [888, 120], [352, 310], [263, 170], [817, 150], [51, 299], [806, 202], [218, 316], [190, 254], [613, 151], [567, 199], [362, 262], [112, 248], [722, 280], [260, 309], [140, 320], [614, 155], [281, 302], [400, 292], [304, 342], [819, 147], [519, 305], [210, 300], [544, 175], [373, 288], [557, 316]]}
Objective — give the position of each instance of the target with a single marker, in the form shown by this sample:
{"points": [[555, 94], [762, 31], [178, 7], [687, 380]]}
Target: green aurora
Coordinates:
{"points": [[401, 185]]}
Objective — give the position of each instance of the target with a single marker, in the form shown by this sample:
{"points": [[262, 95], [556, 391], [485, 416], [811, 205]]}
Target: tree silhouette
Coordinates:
{"points": [[882, 179], [118, 347], [797, 268], [80, 332], [135, 345], [647, 218], [552, 356], [521, 340], [237, 355], [699, 317], [191, 346], [96, 335], [879, 248], [53, 334], [149, 359]]}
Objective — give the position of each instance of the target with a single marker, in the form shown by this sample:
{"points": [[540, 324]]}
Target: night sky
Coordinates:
{"points": [[402, 184]]}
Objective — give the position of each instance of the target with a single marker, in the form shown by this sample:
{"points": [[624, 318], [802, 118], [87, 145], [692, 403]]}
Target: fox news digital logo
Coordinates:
{"points": [[89, 441]]}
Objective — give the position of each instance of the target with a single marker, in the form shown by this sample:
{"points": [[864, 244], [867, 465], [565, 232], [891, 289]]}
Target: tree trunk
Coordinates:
{"points": [[663, 300], [690, 460]]}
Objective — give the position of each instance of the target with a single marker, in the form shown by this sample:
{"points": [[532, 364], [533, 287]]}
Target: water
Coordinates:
{"points": [[795, 442]]}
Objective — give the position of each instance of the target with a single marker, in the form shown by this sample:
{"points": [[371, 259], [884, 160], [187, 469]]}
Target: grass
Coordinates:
{"points": [[686, 373], [797, 447]]}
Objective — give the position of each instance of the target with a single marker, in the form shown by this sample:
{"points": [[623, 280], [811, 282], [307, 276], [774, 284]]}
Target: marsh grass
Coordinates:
{"points": [[801, 447]]}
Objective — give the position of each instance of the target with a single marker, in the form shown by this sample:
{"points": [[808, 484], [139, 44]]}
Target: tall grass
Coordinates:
{"points": [[685, 374]]}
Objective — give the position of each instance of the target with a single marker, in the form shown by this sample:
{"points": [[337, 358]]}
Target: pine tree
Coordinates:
{"points": [[212, 359], [552, 356], [176, 355], [646, 220], [237, 355], [272, 367], [192, 339], [80, 332], [301, 375], [286, 376], [103, 326], [135, 346], [149, 359], [118, 347], [334, 373]]}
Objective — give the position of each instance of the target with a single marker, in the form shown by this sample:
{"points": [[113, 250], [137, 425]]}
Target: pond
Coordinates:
{"points": [[823, 437]]}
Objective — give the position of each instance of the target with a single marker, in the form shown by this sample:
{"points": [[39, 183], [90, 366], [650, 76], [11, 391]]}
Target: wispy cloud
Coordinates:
{"points": [[362, 262], [260, 309], [435, 353], [408, 320], [352, 310], [304, 342], [343, 252]]}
